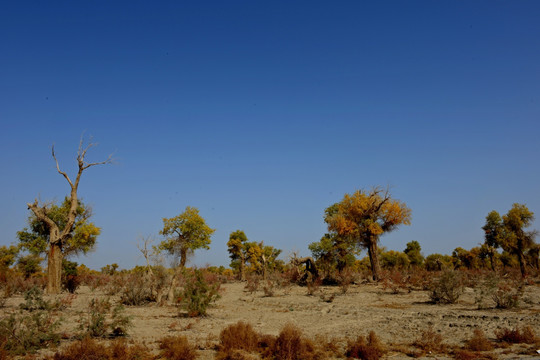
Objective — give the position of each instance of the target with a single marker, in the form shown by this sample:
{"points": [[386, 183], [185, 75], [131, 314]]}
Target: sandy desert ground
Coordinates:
{"points": [[398, 319]]}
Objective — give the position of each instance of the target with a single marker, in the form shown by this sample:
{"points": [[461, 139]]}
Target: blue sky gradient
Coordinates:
{"points": [[262, 114]]}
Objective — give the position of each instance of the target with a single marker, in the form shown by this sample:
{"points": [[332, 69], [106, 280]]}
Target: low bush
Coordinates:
{"points": [[89, 348], [479, 342], [291, 345], [526, 335], [239, 336], [27, 332], [447, 288], [197, 293], [369, 348], [136, 291], [103, 320], [473, 355], [508, 294], [177, 348], [430, 341]]}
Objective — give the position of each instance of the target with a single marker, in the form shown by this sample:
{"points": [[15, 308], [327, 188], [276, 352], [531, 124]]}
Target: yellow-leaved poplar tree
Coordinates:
{"points": [[364, 216]]}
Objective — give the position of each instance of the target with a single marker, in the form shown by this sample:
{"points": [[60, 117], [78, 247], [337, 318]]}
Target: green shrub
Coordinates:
{"points": [[447, 288], [28, 332], [103, 320], [70, 276], [197, 293]]}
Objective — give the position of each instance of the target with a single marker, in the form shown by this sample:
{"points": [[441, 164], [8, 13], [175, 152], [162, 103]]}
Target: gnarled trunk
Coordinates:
{"points": [[54, 269], [374, 259]]}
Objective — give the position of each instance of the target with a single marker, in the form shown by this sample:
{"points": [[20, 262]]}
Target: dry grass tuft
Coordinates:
{"points": [[89, 348], [430, 341], [177, 348], [239, 336], [367, 349], [479, 342], [291, 345], [517, 336], [473, 355]]}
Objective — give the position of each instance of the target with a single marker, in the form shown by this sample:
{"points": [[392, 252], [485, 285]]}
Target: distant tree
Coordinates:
{"points": [[238, 252], [29, 265], [262, 258], [438, 262], [185, 233], [414, 253], [392, 259], [333, 253], [364, 217], [62, 231], [8, 255], [462, 258], [509, 233]]}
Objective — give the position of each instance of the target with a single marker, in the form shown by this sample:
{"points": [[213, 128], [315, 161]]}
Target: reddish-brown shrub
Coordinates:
{"points": [[430, 341], [479, 342], [290, 345], [89, 348], [239, 336], [177, 348], [516, 336], [367, 349], [473, 355]]}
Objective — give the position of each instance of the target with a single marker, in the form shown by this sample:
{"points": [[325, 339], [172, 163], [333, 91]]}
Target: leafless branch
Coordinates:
{"points": [[58, 168]]}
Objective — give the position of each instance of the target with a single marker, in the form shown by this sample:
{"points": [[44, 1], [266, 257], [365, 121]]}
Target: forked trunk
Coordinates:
{"points": [[374, 259], [54, 269]]}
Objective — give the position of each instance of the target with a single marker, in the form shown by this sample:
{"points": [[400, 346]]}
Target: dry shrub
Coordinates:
{"points": [[239, 336], [430, 341], [516, 336], [473, 355], [396, 281], [508, 294], [479, 342], [369, 348], [345, 278], [447, 288], [89, 348], [313, 285], [252, 284], [177, 348], [291, 345]]}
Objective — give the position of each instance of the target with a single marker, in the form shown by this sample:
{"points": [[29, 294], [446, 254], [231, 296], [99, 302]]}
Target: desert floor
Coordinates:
{"points": [[398, 319]]}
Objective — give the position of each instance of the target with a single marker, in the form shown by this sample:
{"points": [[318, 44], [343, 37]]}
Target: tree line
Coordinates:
{"points": [[354, 224]]}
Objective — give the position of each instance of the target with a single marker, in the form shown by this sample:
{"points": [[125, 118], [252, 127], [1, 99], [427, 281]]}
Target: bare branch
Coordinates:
{"points": [[58, 168]]}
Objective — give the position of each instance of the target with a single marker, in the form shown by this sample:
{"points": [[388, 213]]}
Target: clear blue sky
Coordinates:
{"points": [[262, 114]]}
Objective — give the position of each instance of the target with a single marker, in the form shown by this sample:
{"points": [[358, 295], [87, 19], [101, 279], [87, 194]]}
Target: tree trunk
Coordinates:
{"points": [[242, 267], [374, 259], [183, 257], [54, 269], [522, 264]]}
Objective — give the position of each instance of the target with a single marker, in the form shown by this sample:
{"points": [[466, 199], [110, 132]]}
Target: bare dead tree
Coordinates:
{"points": [[144, 246], [58, 236]]}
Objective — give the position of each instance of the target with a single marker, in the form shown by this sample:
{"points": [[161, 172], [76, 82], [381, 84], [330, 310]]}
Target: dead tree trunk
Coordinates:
{"points": [[58, 236], [311, 268]]}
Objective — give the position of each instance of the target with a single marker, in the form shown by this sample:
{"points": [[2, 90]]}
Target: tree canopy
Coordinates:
{"points": [[82, 238], [509, 232], [364, 216], [185, 233]]}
